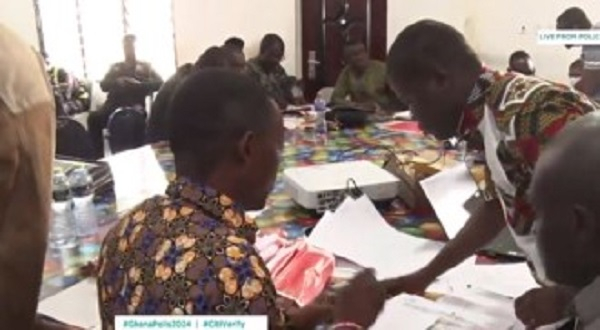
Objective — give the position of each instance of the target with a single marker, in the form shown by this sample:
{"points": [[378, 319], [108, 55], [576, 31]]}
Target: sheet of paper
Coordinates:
{"points": [[137, 175], [509, 280], [407, 312], [357, 231], [77, 305], [448, 191]]}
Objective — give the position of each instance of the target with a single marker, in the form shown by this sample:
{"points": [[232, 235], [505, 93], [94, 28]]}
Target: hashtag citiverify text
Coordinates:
{"points": [[221, 324]]}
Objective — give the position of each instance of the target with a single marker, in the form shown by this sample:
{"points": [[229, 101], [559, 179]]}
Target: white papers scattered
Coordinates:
{"points": [[357, 231], [137, 176], [470, 309], [77, 305], [447, 192], [407, 312]]}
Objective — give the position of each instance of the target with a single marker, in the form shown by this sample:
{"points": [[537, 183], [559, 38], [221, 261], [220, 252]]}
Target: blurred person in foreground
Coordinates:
{"points": [[509, 117], [27, 119], [565, 194], [190, 252]]}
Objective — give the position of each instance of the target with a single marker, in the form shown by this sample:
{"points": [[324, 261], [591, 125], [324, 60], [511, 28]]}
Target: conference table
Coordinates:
{"points": [[301, 149]]}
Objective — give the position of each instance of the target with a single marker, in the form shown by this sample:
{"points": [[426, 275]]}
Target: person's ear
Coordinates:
{"points": [[246, 147], [585, 224]]}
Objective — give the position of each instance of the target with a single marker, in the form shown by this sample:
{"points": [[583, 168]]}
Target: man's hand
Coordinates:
{"points": [[544, 306], [360, 301], [414, 283]]}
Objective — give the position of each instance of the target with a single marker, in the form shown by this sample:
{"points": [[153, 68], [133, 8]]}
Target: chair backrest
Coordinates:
{"points": [[72, 140], [126, 129]]}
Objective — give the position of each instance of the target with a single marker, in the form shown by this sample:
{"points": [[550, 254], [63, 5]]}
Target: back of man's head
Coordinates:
{"points": [[210, 111], [426, 45], [236, 43], [573, 18], [213, 57], [566, 193]]}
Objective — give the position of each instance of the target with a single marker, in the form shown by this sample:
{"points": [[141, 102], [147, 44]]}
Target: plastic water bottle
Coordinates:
{"points": [[84, 210], [320, 121], [62, 228]]}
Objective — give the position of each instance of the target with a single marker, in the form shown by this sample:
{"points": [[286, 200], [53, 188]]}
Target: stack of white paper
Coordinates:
{"points": [[357, 231], [448, 191], [77, 305], [137, 176]]}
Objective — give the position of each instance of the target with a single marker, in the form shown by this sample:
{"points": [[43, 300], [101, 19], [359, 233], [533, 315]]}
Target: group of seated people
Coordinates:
{"points": [[191, 251], [361, 85]]}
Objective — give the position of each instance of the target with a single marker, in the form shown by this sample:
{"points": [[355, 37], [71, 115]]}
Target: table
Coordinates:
{"points": [[281, 212]]}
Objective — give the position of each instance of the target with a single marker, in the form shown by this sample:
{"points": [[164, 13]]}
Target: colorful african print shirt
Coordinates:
{"points": [[188, 253], [512, 117]]}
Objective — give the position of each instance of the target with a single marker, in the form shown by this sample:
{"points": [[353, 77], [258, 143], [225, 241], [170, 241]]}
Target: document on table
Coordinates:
{"points": [[448, 191], [77, 305], [137, 176], [356, 231]]}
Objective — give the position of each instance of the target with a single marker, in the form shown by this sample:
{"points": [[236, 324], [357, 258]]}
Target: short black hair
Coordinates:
{"points": [[576, 65], [236, 43], [518, 55], [210, 111], [573, 18], [427, 44], [214, 57], [270, 40]]}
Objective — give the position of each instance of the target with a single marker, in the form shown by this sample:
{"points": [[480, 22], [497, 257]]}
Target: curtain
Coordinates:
{"points": [[85, 36]]}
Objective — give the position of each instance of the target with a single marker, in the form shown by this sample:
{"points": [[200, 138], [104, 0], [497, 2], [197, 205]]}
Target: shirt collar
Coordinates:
{"points": [[214, 204], [473, 112]]}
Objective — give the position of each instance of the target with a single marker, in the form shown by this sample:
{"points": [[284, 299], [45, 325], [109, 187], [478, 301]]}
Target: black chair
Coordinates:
{"points": [[72, 140], [126, 129]]}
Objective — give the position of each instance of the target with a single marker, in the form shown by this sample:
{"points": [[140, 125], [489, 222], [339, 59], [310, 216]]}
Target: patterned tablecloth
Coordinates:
{"points": [[372, 143]]}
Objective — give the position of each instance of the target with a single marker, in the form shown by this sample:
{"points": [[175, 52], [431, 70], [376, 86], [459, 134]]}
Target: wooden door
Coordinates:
{"points": [[327, 25]]}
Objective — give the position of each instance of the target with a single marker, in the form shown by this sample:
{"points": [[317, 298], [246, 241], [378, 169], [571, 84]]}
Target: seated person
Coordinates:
{"points": [[575, 72], [71, 95], [191, 251], [520, 62], [266, 69], [565, 194], [213, 57], [128, 84], [575, 18], [362, 83]]}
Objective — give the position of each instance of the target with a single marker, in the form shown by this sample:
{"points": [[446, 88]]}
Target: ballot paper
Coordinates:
{"points": [[77, 305], [137, 176], [448, 191], [358, 232], [408, 312]]}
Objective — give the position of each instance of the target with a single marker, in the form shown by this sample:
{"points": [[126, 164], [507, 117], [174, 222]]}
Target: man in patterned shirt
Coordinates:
{"points": [[191, 251], [509, 117]]}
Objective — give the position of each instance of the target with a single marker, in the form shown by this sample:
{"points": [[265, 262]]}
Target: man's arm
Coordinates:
{"points": [[342, 89], [110, 81], [154, 81], [486, 222]]}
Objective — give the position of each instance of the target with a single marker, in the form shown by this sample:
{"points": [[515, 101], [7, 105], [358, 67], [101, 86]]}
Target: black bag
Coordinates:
{"points": [[72, 140]]}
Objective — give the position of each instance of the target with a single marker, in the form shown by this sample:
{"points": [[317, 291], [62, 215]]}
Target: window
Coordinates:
{"points": [[84, 36]]}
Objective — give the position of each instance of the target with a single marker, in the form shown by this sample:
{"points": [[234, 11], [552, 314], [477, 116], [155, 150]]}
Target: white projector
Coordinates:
{"points": [[323, 187]]}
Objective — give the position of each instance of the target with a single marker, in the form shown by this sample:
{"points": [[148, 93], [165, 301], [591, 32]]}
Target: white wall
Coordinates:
{"points": [[503, 26], [402, 13], [200, 24], [19, 15]]}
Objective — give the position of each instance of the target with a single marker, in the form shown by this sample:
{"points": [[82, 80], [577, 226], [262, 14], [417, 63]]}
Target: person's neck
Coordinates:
{"points": [[130, 61], [221, 181]]}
